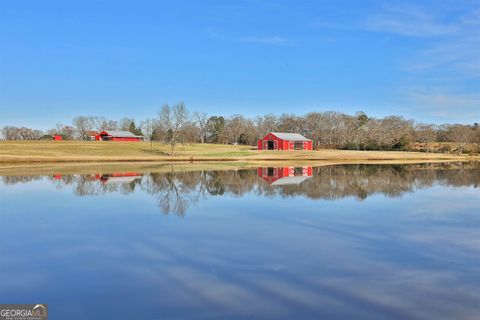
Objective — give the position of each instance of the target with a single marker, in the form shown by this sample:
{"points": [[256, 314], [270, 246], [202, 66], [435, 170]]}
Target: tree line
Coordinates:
{"points": [[175, 124]]}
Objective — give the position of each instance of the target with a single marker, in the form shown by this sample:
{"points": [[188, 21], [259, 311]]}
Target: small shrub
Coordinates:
{"points": [[446, 148]]}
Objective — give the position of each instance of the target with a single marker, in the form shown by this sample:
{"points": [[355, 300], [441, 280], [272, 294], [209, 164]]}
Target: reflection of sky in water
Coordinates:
{"points": [[116, 256]]}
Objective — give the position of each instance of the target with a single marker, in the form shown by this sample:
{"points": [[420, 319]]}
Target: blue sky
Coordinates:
{"points": [[59, 59]]}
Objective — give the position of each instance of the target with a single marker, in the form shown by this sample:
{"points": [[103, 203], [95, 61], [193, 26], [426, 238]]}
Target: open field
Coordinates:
{"points": [[78, 151]]}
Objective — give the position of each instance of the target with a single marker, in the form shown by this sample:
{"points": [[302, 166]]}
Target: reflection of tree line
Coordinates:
{"points": [[176, 191], [361, 181], [11, 180]]}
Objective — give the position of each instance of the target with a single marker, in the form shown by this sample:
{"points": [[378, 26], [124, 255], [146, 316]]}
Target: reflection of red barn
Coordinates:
{"points": [[284, 141], [285, 175], [123, 177], [111, 135]]}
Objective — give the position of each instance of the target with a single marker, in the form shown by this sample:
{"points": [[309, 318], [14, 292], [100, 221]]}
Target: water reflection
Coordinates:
{"points": [[398, 242], [175, 191], [278, 176]]}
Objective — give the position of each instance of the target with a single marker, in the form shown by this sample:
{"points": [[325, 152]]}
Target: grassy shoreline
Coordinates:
{"points": [[31, 152], [143, 167]]}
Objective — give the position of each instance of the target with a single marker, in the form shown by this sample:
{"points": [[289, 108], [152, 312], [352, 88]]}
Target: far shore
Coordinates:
{"points": [[43, 152], [66, 168]]}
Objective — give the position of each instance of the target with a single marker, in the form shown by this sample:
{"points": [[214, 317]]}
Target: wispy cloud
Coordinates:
{"points": [[270, 40], [452, 41], [411, 20], [459, 54], [446, 67], [445, 103]]}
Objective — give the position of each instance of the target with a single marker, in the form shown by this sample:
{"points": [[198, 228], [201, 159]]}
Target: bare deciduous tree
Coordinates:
{"points": [[82, 125], [460, 134], [425, 133], [21, 133], [124, 123], [102, 124], [148, 128], [201, 119], [173, 120]]}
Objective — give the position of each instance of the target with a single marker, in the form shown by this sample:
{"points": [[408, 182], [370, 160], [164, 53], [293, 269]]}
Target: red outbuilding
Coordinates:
{"points": [[57, 137], [284, 141], [111, 135]]}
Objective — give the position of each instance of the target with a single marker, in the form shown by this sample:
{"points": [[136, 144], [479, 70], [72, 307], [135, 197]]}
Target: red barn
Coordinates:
{"points": [[111, 135], [284, 141], [57, 137], [285, 175]]}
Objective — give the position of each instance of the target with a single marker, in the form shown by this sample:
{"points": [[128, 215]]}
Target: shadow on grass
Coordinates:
{"points": [[155, 152]]}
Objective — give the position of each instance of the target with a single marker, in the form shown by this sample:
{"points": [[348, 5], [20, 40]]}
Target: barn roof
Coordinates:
{"points": [[289, 180], [121, 179], [121, 134], [290, 136]]}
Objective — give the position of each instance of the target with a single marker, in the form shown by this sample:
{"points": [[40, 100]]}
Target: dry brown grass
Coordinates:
{"points": [[445, 147], [77, 151]]}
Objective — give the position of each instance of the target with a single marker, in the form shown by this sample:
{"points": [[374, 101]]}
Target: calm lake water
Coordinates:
{"points": [[333, 242]]}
